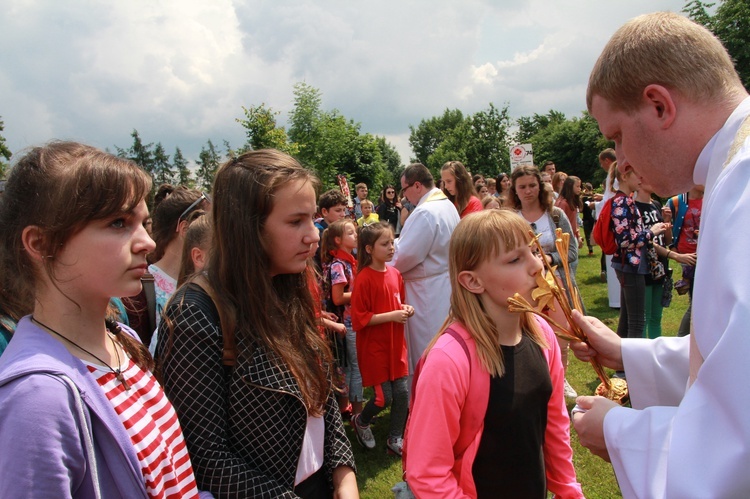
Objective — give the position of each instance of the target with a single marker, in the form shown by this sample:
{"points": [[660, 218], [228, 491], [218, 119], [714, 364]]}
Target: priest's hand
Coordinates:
{"points": [[589, 424], [603, 344]]}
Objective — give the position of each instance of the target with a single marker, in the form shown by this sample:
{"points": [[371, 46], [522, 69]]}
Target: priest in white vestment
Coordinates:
{"points": [[422, 258], [665, 90]]}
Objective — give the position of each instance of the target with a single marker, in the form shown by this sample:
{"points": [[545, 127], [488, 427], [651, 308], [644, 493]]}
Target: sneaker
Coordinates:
{"points": [[569, 391], [603, 276], [394, 446], [364, 433]]}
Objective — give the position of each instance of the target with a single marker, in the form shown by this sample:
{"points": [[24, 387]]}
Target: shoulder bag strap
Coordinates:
{"points": [[147, 281]]}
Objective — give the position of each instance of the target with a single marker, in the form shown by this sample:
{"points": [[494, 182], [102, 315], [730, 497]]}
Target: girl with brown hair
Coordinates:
{"points": [[82, 415], [458, 187], [241, 355]]}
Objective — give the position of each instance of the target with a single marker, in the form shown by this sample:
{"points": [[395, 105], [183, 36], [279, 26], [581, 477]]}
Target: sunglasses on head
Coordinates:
{"points": [[194, 204]]}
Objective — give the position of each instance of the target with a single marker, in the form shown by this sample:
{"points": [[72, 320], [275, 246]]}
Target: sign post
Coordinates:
{"points": [[521, 155]]}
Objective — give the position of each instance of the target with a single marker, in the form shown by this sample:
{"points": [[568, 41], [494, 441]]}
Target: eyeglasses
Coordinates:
{"points": [[404, 189], [197, 202]]}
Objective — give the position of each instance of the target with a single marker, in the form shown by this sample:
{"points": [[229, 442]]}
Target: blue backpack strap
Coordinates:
{"points": [[678, 215]]}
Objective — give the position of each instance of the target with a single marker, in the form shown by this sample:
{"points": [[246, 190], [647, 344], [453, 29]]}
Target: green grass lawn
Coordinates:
{"points": [[378, 472]]}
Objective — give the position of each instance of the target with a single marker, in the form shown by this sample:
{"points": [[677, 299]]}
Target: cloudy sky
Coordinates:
{"points": [[179, 71]]}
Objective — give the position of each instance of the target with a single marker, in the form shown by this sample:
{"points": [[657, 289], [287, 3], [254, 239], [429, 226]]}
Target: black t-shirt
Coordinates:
{"points": [[510, 458], [588, 213], [651, 214], [388, 213]]}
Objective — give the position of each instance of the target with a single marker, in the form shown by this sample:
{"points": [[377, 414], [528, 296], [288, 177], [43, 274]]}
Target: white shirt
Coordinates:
{"points": [[695, 442], [422, 258]]}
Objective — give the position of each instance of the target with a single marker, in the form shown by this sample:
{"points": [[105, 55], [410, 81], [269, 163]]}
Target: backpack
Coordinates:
{"points": [[602, 232]]}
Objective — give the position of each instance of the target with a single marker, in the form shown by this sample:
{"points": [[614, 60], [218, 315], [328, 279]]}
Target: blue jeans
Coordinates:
{"points": [[353, 376]]}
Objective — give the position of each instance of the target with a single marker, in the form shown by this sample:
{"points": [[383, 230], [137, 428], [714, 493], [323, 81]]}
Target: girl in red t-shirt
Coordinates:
{"points": [[378, 315]]}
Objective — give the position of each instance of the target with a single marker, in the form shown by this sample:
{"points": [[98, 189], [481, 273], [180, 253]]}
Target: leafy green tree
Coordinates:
{"points": [[305, 118], [392, 160], [4, 153], [429, 134], [262, 131], [208, 163], [573, 144], [183, 172], [163, 172], [528, 126], [488, 141], [731, 24], [480, 141]]}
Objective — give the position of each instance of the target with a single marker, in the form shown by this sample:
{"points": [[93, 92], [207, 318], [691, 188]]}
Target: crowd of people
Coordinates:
{"points": [[217, 345]]}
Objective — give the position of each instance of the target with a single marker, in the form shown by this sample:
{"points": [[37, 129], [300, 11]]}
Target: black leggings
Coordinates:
{"points": [[632, 305]]}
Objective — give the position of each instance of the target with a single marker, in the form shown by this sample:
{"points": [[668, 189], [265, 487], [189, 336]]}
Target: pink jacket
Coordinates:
{"points": [[432, 469]]}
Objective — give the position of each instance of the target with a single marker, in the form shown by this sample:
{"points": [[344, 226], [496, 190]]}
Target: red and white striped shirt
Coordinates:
{"points": [[152, 425]]}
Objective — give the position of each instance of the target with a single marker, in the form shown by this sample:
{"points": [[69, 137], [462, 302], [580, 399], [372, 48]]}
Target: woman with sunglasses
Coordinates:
{"points": [[389, 207], [170, 222]]}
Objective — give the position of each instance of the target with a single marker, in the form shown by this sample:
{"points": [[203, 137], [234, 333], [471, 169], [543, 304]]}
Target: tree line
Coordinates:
{"points": [[330, 144]]}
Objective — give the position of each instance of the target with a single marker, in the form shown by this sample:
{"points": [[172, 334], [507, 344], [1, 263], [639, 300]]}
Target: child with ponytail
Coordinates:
{"points": [[339, 272]]}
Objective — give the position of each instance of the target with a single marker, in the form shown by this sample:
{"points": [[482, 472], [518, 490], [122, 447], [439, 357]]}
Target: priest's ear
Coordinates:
{"points": [[470, 281]]}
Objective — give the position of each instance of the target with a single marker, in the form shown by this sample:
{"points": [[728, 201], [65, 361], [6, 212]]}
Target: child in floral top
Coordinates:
{"points": [[629, 261]]}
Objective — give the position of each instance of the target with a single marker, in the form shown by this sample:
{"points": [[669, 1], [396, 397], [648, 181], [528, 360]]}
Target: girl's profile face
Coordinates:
{"points": [[383, 249], [348, 241], [289, 232], [106, 258], [527, 188], [449, 182], [631, 181], [577, 188], [508, 273]]}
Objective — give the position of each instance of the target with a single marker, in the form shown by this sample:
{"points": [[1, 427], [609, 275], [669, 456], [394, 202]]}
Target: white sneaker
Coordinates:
{"points": [[395, 446], [569, 391], [364, 433]]}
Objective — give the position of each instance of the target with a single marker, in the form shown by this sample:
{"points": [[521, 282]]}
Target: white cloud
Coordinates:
{"points": [[180, 70]]}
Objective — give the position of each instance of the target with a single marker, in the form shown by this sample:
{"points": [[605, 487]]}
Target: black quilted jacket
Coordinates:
{"points": [[243, 427]]}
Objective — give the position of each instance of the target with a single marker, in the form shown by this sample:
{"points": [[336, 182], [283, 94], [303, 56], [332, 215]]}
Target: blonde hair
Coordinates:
{"points": [[478, 238], [367, 202], [488, 199], [666, 49], [557, 181]]}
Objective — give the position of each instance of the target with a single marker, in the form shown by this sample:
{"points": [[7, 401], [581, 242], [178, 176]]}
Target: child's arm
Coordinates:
{"points": [[336, 327], [394, 316], [338, 295]]}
